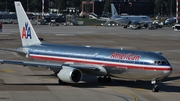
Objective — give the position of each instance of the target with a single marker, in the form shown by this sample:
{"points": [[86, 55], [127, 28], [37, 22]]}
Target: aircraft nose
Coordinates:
{"points": [[168, 72]]}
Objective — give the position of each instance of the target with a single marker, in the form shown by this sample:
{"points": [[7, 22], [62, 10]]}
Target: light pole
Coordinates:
{"points": [[43, 9], [177, 1]]}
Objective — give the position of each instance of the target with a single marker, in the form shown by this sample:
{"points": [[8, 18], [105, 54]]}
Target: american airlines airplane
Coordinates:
{"points": [[135, 21], [102, 62]]}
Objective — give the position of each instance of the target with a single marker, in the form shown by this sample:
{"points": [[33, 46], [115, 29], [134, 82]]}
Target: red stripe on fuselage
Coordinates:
{"points": [[98, 63]]}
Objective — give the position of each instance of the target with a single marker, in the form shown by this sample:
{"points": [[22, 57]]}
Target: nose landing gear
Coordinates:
{"points": [[155, 87]]}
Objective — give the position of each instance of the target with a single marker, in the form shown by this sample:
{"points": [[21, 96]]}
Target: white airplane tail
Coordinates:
{"points": [[113, 10], [27, 33]]}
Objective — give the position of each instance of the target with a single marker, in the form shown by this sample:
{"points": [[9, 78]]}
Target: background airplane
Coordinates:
{"points": [[102, 62], [171, 21], [135, 21]]}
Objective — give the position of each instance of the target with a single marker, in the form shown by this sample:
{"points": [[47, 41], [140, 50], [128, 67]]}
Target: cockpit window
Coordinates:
{"points": [[160, 62]]}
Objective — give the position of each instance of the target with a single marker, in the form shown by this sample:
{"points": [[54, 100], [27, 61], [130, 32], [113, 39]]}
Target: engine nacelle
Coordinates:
{"points": [[69, 74]]}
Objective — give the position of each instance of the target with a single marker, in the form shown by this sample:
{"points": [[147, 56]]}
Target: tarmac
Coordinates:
{"points": [[18, 83]]}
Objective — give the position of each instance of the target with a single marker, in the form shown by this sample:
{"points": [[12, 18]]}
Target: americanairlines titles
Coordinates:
{"points": [[123, 56]]}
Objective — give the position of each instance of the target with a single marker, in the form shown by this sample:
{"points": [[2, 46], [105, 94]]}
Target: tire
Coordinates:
{"points": [[155, 88]]}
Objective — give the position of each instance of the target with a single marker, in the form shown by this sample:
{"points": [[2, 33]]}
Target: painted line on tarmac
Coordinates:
{"points": [[141, 89], [64, 34], [7, 71], [133, 95]]}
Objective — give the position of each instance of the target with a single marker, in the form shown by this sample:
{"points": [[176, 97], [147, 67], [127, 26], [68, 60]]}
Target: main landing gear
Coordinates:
{"points": [[155, 87], [104, 79]]}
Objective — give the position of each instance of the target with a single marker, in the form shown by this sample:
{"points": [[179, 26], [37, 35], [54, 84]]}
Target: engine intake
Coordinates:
{"points": [[69, 74]]}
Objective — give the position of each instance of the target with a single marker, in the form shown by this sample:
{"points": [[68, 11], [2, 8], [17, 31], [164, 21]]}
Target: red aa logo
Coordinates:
{"points": [[26, 32]]}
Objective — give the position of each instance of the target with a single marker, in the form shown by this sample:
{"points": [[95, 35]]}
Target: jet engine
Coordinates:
{"points": [[69, 75]]}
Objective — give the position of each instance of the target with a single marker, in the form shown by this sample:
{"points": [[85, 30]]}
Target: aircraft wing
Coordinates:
{"points": [[9, 49], [44, 64], [14, 50], [49, 65], [31, 63]]}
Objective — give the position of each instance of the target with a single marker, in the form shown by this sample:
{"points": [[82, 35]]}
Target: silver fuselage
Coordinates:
{"points": [[126, 64]]}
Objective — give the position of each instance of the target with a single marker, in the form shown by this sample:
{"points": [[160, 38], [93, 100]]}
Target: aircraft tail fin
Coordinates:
{"points": [[113, 10], [27, 33]]}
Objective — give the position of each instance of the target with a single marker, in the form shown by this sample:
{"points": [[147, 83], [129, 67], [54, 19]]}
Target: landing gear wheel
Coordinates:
{"points": [[155, 88]]}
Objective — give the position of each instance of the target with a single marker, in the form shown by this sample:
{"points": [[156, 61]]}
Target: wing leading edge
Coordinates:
{"points": [[31, 63], [50, 65]]}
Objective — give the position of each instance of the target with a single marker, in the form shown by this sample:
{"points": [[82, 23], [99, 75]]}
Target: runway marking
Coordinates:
{"points": [[7, 71], [133, 95], [141, 89], [64, 34]]}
